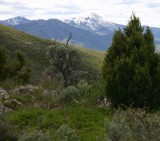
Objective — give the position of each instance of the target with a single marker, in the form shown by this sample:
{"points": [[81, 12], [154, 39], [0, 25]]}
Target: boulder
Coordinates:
{"points": [[4, 95]]}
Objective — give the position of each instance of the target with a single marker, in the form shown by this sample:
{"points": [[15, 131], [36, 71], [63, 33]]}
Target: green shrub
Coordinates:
{"points": [[35, 136], [84, 88], [65, 133], [133, 125], [117, 129], [144, 126], [70, 93]]}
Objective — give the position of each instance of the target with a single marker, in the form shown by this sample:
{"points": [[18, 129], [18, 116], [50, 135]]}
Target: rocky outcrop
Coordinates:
{"points": [[28, 89], [3, 95], [6, 102]]}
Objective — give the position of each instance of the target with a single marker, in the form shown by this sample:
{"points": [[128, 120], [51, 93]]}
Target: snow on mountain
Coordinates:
{"points": [[15, 21], [93, 23]]}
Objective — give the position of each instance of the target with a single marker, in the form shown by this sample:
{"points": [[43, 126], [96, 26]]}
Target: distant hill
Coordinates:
{"points": [[92, 31], [34, 49], [56, 29]]}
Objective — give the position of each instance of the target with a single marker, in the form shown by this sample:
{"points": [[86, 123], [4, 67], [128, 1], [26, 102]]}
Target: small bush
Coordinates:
{"points": [[70, 93], [117, 129], [84, 88], [35, 136], [133, 125], [65, 133], [144, 126]]}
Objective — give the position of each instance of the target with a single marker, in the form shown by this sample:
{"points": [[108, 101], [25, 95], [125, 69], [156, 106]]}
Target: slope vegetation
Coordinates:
{"points": [[34, 49]]}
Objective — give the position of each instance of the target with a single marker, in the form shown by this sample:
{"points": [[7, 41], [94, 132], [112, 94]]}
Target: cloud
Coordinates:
{"points": [[131, 1], [153, 4], [118, 11]]}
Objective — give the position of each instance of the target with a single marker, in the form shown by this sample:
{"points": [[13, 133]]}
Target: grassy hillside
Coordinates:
{"points": [[43, 109], [34, 114], [34, 49], [93, 57]]}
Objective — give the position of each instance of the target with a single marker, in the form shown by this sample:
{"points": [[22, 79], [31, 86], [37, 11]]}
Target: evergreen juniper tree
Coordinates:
{"points": [[131, 67]]}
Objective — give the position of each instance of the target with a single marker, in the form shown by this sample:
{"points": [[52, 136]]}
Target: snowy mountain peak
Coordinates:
{"points": [[92, 17], [93, 22], [16, 21]]}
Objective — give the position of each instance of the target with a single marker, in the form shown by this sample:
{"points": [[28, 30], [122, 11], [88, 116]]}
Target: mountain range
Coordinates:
{"points": [[93, 23], [92, 31], [15, 21]]}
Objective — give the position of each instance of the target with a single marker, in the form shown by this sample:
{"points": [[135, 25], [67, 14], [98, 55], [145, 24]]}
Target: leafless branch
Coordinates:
{"points": [[69, 39]]}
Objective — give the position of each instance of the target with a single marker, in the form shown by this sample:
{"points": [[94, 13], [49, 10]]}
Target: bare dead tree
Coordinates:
{"points": [[69, 39], [65, 61]]}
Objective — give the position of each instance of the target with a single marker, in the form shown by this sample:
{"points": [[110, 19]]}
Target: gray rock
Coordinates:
{"points": [[25, 89], [4, 95]]}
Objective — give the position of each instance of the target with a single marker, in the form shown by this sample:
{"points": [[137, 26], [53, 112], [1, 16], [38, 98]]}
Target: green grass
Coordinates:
{"points": [[34, 49], [88, 123], [84, 117], [93, 57]]}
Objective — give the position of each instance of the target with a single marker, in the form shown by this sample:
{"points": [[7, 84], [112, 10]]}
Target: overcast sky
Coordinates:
{"points": [[118, 11]]}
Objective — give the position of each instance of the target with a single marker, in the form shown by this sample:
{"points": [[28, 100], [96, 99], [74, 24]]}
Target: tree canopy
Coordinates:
{"points": [[64, 60], [131, 67]]}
